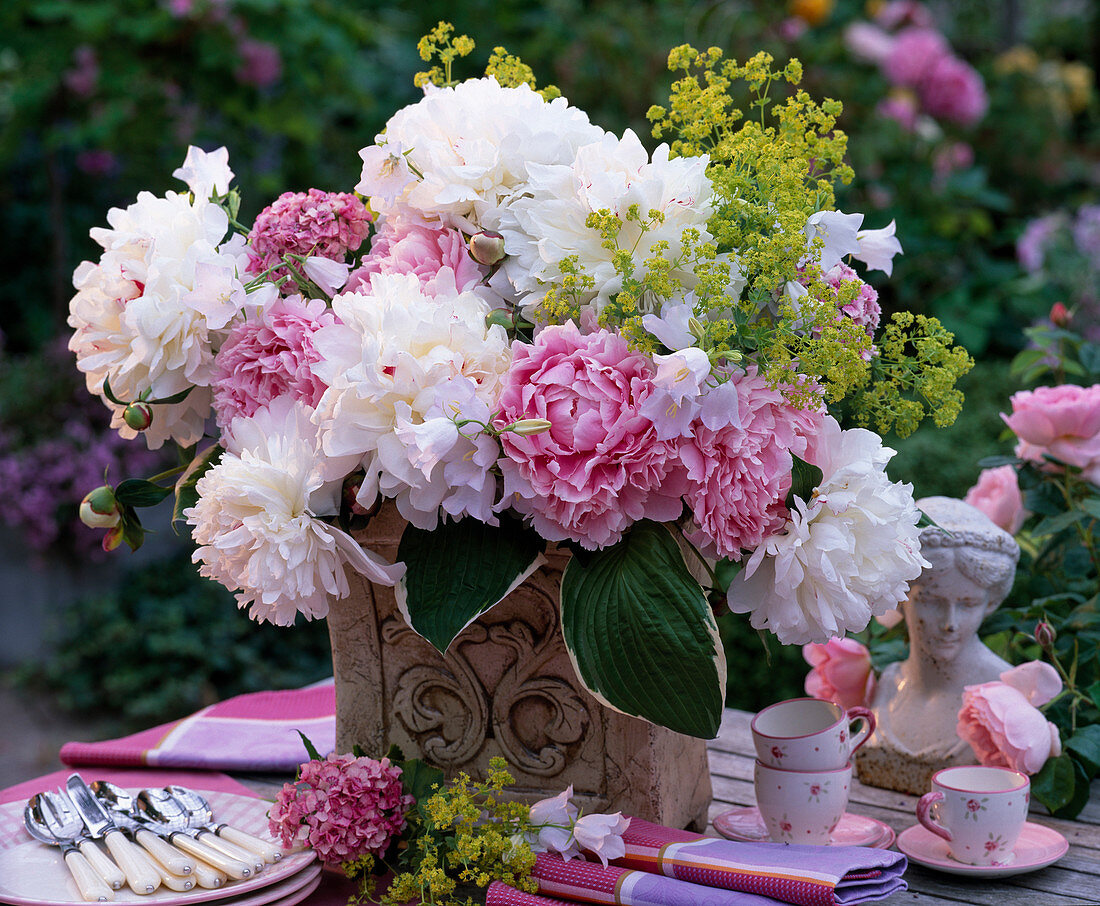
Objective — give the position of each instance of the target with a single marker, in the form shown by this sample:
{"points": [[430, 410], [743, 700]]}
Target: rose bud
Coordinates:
{"points": [[527, 426], [1045, 635], [487, 248], [138, 416], [99, 509], [1059, 315]]}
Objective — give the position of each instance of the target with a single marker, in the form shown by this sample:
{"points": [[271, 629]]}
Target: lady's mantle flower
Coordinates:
{"points": [[846, 554], [256, 526]]}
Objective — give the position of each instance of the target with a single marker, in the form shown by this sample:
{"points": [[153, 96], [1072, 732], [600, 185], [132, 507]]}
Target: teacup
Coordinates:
{"points": [[979, 811], [807, 734], [801, 806]]}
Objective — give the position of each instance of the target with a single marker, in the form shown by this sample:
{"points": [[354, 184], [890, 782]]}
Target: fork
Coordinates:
{"points": [[58, 811], [91, 886]]}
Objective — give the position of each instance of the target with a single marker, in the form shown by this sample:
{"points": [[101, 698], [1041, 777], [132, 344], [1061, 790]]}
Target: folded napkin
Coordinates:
{"points": [[253, 732], [806, 875], [500, 894]]}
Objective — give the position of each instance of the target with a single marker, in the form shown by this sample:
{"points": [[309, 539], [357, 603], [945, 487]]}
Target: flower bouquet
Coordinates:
{"points": [[552, 335]]}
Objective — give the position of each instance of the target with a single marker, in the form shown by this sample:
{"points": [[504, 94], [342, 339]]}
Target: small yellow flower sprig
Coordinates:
{"points": [[465, 835], [510, 71], [439, 43]]}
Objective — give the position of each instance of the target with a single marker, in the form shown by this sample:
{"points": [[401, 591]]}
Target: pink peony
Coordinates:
{"points": [[436, 254], [325, 224], [953, 90], [914, 53], [600, 466], [343, 807], [738, 466], [1004, 730], [1063, 422], [997, 494], [270, 355], [841, 672]]}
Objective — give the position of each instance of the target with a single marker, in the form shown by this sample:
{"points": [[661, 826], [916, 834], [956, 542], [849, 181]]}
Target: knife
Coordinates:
{"points": [[142, 877]]}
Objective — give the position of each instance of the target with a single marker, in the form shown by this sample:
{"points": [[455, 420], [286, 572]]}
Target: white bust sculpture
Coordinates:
{"points": [[917, 701]]}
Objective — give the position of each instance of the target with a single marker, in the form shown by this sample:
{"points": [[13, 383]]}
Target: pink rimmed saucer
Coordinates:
{"points": [[747, 826], [1037, 848]]}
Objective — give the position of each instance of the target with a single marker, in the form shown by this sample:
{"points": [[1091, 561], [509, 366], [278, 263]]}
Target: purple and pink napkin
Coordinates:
{"points": [[253, 732]]}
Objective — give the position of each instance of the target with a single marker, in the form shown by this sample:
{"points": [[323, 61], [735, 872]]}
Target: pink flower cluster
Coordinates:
{"points": [[841, 672], [1062, 422], [436, 254], [948, 88], [344, 807], [269, 355], [313, 223]]}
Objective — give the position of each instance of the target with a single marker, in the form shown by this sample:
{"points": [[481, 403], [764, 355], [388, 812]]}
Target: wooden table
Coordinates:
{"points": [[1075, 879]]}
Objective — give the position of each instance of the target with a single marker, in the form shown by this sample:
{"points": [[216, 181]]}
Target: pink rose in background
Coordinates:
{"points": [[953, 90], [997, 494], [1005, 730], [1062, 421], [912, 56], [841, 672], [1037, 681]]}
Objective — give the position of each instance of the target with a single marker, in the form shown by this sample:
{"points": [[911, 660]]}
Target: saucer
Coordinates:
{"points": [[1037, 848], [747, 826]]}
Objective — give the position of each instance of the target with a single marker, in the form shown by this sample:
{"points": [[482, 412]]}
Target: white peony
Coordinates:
{"points": [[256, 524], [844, 556], [547, 223], [402, 369], [472, 145]]}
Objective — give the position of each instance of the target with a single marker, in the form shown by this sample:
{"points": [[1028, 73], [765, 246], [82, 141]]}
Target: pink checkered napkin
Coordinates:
{"points": [[500, 894]]}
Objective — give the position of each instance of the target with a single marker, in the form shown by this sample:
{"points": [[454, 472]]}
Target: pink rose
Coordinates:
{"points": [[1036, 681], [600, 467], [997, 494], [1004, 730], [602, 835], [1062, 421], [841, 672]]}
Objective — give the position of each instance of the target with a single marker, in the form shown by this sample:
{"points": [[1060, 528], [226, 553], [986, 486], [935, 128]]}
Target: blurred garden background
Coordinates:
{"points": [[991, 170]]}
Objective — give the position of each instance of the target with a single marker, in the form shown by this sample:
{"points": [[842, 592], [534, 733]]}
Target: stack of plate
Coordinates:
{"points": [[33, 874]]}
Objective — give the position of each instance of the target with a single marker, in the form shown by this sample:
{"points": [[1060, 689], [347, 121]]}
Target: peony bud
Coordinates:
{"points": [[487, 248], [1045, 635], [99, 509], [527, 426], [138, 416], [1059, 315]]}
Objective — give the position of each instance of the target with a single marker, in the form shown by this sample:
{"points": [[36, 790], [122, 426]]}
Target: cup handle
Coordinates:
{"points": [[924, 814], [868, 718]]}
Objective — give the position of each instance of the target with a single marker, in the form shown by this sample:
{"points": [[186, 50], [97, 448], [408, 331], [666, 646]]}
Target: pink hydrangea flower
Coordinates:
{"points": [[953, 90], [997, 494], [600, 467], [325, 224], [343, 807], [269, 355], [739, 466], [1004, 730], [436, 254], [913, 54], [841, 672], [1062, 421]]}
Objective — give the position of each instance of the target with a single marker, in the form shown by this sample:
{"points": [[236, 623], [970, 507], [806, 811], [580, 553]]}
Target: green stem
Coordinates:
{"points": [[168, 473]]}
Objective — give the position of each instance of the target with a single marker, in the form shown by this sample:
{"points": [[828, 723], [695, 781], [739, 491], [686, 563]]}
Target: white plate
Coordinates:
{"points": [[295, 897], [33, 874], [1037, 848], [292, 890]]}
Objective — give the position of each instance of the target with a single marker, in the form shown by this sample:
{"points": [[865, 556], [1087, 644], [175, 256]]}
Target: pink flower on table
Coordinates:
{"points": [[435, 254], [997, 494], [269, 355], [600, 467], [343, 807], [953, 90], [1005, 730], [912, 56], [1063, 422], [602, 835], [841, 672]]}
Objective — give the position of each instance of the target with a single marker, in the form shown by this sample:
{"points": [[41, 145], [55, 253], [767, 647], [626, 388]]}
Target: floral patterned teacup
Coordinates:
{"points": [[807, 734], [801, 806], [979, 811]]}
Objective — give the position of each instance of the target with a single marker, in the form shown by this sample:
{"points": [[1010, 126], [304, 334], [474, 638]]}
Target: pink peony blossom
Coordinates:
{"points": [[436, 254], [343, 807], [269, 355], [997, 494], [914, 53], [600, 467], [841, 672], [1063, 422], [1004, 730], [738, 465], [325, 224], [953, 90]]}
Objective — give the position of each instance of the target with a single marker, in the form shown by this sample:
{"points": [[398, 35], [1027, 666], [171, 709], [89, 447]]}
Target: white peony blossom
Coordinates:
{"points": [[844, 556], [472, 145], [547, 223], [256, 526], [398, 365]]}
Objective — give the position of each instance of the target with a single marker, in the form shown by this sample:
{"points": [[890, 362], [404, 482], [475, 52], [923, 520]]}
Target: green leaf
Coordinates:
{"points": [[1084, 745], [805, 476], [1052, 525], [186, 494], [1093, 693], [174, 398], [420, 779], [641, 635], [1080, 796], [992, 462], [311, 749], [137, 492], [1091, 505], [107, 392], [1053, 785], [457, 571], [1090, 357], [132, 532]]}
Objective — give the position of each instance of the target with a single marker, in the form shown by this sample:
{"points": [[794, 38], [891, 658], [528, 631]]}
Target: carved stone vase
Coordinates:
{"points": [[506, 687]]}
